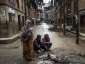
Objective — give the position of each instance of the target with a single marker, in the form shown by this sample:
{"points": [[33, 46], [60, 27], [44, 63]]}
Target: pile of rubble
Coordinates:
{"points": [[52, 59], [49, 58]]}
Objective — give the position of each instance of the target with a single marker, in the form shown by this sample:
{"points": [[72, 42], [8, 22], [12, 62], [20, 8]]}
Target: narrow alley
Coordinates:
{"points": [[42, 32], [58, 39], [62, 46]]}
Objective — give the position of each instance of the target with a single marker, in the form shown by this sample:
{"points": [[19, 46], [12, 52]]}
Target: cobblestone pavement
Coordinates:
{"points": [[63, 47]]}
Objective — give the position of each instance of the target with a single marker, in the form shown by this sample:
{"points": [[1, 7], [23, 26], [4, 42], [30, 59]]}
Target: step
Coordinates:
{"points": [[10, 39]]}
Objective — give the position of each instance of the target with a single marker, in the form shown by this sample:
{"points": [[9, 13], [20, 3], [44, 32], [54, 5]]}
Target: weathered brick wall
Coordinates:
{"points": [[13, 3], [3, 1], [9, 2], [81, 4]]}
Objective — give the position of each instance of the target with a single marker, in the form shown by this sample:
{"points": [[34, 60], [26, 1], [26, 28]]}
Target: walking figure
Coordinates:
{"points": [[27, 39]]}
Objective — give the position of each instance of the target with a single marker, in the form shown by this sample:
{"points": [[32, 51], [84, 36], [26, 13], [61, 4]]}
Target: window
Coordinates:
{"points": [[17, 3]]}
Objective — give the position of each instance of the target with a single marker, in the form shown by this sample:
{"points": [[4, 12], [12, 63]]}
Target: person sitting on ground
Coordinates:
{"points": [[46, 41], [36, 43]]}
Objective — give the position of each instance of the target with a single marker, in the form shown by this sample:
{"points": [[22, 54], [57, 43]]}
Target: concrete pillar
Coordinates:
{"points": [[53, 3], [60, 19], [62, 13], [64, 1], [76, 15]]}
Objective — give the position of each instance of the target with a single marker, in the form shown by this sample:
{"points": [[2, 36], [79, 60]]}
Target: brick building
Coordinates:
{"points": [[82, 15], [12, 16]]}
